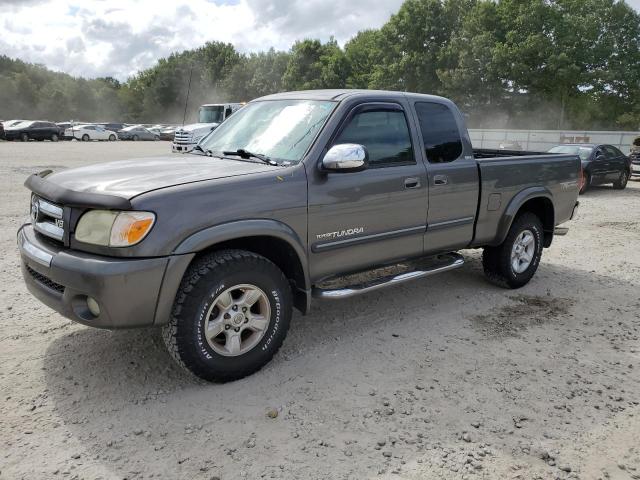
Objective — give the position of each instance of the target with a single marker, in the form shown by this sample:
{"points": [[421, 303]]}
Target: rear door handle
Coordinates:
{"points": [[411, 182], [440, 180]]}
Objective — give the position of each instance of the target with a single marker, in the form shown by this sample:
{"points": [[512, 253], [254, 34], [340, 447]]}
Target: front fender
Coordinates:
{"points": [[184, 253], [242, 229], [514, 207]]}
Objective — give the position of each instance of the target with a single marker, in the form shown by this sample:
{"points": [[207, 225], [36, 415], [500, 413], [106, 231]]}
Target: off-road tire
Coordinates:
{"points": [[622, 181], [205, 279], [496, 261]]}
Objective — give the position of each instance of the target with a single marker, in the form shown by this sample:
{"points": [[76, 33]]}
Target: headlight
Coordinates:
{"points": [[114, 229]]}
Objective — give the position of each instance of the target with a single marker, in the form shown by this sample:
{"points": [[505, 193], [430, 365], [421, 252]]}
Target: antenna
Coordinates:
{"points": [[186, 102]]}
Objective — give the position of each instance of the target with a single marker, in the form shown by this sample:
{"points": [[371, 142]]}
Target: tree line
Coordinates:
{"points": [[517, 63]]}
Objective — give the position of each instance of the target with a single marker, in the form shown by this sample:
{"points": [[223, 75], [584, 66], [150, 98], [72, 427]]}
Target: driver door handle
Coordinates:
{"points": [[412, 182], [440, 180]]}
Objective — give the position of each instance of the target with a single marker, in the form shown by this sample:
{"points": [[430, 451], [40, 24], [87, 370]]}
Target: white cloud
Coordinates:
{"points": [[120, 37]]}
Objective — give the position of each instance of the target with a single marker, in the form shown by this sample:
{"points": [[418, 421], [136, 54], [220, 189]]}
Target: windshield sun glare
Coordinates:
{"points": [[281, 130]]}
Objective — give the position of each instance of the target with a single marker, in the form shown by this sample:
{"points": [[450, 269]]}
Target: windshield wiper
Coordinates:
{"points": [[242, 153], [208, 153]]}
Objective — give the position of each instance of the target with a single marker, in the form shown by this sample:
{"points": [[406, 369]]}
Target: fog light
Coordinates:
{"points": [[94, 308]]}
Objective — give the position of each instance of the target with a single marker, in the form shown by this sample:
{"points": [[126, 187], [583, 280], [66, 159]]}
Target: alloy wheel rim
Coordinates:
{"points": [[523, 251], [237, 320]]}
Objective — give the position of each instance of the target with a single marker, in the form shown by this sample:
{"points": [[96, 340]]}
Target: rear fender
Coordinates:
{"points": [[514, 207]]}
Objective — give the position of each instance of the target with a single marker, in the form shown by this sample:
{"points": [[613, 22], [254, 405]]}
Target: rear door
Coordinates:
{"points": [[36, 131], [617, 162], [453, 179], [366, 218]]}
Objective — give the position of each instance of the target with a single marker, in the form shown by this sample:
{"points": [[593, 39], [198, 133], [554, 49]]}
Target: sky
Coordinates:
{"points": [[118, 38]]}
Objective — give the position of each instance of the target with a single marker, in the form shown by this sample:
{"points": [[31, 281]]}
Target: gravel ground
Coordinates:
{"points": [[447, 377]]}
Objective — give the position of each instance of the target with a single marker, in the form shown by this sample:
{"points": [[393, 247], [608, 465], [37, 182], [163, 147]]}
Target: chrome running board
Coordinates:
{"points": [[437, 264]]}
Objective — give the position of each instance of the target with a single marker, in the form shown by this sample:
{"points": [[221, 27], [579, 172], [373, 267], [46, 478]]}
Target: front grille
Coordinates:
{"points": [[44, 280], [183, 138], [47, 219]]}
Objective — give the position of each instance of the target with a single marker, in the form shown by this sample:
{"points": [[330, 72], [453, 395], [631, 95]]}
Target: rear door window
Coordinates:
{"points": [[440, 133], [612, 152]]}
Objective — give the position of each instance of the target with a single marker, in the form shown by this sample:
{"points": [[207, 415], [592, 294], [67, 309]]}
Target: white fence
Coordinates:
{"points": [[543, 140]]}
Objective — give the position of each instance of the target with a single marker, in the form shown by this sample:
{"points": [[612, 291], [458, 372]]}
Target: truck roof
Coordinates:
{"points": [[341, 94]]}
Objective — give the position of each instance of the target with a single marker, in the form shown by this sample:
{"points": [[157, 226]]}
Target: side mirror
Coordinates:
{"points": [[348, 157]]}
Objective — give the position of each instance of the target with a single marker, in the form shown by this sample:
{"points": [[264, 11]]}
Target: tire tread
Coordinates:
{"points": [[215, 261]]}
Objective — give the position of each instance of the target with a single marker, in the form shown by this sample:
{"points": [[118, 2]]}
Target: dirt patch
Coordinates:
{"points": [[526, 311], [619, 225]]}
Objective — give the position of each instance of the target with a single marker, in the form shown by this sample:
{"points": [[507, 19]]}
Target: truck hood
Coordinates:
{"points": [[129, 178], [194, 127]]}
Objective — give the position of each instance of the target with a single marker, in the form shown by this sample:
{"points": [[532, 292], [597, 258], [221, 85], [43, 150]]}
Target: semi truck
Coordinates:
{"points": [[209, 117]]}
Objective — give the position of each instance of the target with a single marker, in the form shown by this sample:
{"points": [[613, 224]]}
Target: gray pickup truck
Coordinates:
{"points": [[284, 202]]}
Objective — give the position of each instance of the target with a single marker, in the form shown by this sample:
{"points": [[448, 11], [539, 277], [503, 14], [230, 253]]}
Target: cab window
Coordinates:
{"points": [[440, 134], [385, 135]]}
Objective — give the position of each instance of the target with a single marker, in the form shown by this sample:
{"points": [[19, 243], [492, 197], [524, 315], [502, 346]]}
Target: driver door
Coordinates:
{"points": [[375, 216]]}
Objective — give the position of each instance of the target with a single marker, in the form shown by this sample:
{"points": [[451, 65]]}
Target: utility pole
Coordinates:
{"points": [[186, 102]]}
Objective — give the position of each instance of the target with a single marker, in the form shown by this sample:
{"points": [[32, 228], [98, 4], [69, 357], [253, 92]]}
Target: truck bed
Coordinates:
{"points": [[482, 153], [508, 177]]}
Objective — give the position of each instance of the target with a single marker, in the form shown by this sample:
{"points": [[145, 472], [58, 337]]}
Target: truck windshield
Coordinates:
{"points": [[279, 129], [211, 114]]}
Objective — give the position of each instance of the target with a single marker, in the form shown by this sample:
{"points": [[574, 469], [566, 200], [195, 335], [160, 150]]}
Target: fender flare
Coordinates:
{"points": [[207, 237], [185, 252], [514, 207]]}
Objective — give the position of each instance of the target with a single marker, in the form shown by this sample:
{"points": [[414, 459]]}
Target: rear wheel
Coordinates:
{"points": [[513, 263], [24, 137], [54, 137], [230, 316], [135, 138], [112, 138], [85, 137], [622, 181]]}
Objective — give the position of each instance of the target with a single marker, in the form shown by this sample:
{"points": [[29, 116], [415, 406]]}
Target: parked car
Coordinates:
{"points": [[601, 164], [136, 133], [113, 126], [34, 130], [635, 158], [1, 131], [90, 132], [168, 133], [293, 189], [11, 123]]}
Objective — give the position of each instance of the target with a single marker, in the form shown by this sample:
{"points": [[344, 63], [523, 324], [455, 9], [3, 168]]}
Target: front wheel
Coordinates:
{"points": [[112, 138], [85, 138], [513, 263], [54, 137], [622, 181], [230, 316], [134, 138], [24, 137]]}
